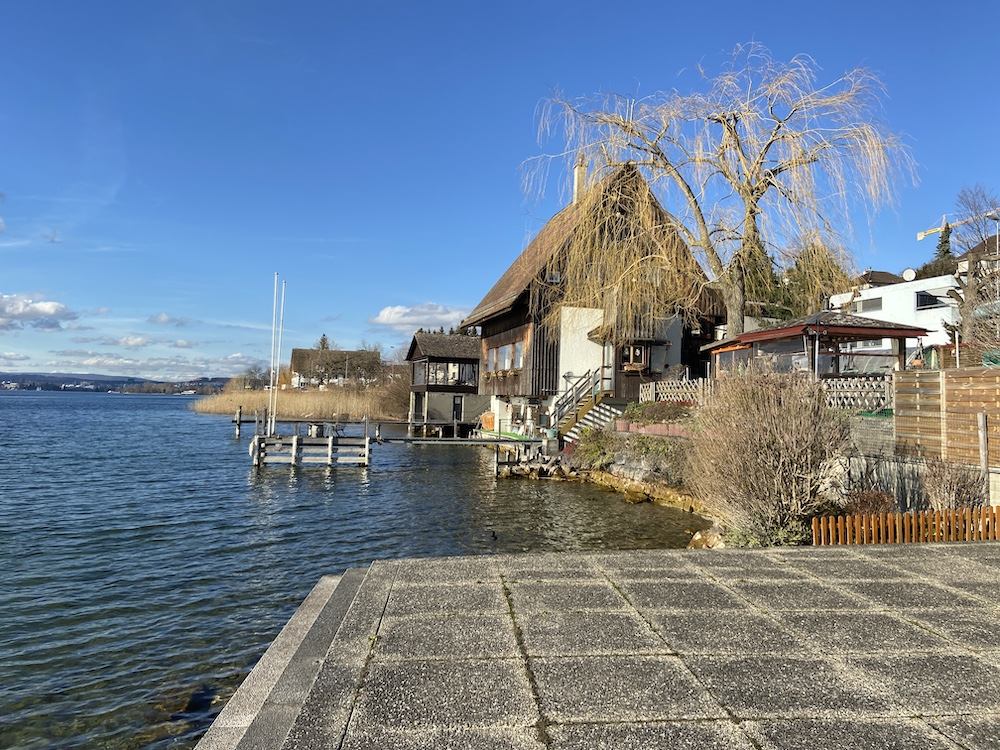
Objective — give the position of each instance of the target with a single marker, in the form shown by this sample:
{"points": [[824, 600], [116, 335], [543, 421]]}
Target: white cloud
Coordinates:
{"points": [[20, 310], [165, 319], [407, 319], [10, 357], [180, 344]]}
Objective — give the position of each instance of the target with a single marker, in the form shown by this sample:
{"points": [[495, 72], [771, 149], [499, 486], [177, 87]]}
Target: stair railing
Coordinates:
{"points": [[571, 396]]}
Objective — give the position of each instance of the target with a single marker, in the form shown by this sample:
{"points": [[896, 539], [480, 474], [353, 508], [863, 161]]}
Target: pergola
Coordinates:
{"points": [[812, 344]]}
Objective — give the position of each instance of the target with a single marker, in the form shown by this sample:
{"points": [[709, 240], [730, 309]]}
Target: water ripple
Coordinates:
{"points": [[143, 562]]}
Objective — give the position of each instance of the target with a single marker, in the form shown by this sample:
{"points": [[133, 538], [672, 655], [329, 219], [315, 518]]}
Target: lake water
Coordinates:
{"points": [[145, 566]]}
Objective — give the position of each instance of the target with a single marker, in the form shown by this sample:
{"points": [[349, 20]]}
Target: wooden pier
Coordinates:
{"points": [[302, 449]]}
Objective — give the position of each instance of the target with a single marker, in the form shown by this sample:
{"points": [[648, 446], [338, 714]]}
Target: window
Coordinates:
{"points": [[468, 374], [419, 373], [491, 360], [518, 355], [871, 305], [926, 301], [633, 355], [504, 357]]}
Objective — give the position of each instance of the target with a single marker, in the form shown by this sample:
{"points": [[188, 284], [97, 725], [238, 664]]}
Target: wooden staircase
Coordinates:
{"points": [[586, 403]]}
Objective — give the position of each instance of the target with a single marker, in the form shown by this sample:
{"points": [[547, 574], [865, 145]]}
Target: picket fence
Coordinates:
{"points": [[953, 525]]}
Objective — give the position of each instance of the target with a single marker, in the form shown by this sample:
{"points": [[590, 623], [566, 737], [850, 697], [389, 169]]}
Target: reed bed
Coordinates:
{"points": [[336, 403]]}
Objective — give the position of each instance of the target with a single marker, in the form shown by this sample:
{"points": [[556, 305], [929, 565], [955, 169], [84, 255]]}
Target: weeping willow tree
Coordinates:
{"points": [[623, 256], [815, 271], [763, 153]]}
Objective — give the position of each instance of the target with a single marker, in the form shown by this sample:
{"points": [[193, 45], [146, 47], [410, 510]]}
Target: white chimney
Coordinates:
{"points": [[579, 178]]}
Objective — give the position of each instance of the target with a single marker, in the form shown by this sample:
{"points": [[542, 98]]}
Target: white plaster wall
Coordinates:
{"points": [[899, 305], [577, 353]]}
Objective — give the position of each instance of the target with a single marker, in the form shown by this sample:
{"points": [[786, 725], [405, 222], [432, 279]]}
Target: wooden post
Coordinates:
{"points": [[901, 354], [984, 447], [239, 419], [496, 460], [329, 449], [295, 449]]}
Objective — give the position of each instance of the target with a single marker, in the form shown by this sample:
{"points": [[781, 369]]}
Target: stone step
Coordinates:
{"points": [[258, 713]]}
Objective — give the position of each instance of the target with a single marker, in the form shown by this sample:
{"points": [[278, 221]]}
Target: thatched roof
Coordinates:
{"points": [[451, 346], [553, 237]]}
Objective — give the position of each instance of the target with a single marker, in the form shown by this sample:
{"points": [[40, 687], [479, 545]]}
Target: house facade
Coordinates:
{"points": [[323, 367], [444, 383], [530, 360], [921, 303]]}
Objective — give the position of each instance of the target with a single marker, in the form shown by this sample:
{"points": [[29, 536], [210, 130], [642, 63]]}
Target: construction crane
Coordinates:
{"points": [[993, 215]]}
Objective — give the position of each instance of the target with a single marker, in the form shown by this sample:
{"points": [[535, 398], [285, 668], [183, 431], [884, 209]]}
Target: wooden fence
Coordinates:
{"points": [[956, 525], [687, 391], [938, 415], [852, 393]]}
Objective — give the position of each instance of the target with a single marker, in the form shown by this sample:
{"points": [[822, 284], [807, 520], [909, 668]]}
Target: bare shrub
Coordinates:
{"points": [[948, 485], [867, 502], [764, 456]]}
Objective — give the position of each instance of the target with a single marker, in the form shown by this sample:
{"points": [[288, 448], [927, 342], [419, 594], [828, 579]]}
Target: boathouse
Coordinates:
{"points": [[444, 384], [540, 373]]}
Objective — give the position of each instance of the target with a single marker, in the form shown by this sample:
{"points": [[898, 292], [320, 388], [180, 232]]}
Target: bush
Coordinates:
{"points": [[948, 485], [764, 456], [653, 412]]}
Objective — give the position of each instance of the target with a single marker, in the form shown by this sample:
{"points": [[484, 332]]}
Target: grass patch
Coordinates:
{"points": [[658, 412]]}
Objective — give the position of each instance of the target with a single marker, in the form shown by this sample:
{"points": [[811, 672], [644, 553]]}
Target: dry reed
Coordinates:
{"points": [[335, 403]]}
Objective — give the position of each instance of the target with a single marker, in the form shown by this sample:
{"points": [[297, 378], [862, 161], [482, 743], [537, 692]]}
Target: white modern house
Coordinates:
{"points": [[922, 303]]}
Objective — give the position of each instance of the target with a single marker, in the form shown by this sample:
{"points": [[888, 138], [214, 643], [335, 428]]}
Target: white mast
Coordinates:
{"points": [[277, 360], [271, 378]]}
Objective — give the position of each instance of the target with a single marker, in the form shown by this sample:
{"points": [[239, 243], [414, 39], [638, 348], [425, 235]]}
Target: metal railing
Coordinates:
{"points": [[591, 383]]}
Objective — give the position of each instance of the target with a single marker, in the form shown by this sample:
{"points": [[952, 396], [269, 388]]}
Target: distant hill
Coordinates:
{"points": [[99, 382]]}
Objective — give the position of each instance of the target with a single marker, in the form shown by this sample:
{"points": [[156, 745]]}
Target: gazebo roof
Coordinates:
{"points": [[834, 325]]}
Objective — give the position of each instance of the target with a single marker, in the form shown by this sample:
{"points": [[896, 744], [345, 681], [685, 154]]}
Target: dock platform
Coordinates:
{"points": [[784, 649]]}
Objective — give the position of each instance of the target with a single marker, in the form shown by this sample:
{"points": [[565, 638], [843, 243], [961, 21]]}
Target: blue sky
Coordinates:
{"points": [[160, 161]]}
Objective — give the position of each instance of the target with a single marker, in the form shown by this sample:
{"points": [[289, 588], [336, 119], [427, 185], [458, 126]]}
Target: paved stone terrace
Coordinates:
{"points": [[874, 647]]}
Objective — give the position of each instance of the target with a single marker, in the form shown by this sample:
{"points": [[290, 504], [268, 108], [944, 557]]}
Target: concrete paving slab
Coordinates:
{"points": [[499, 738], [988, 592], [726, 632], [552, 596], [876, 734], [581, 633], [672, 735], [442, 571], [848, 569], [458, 693], [970, 628], [785, 686], [447, 637], [797, 595], [862, 632], [795, 648], [547, 567], [620, 688], [458, 598], [906, 594], [970, 732], [681, 595], [919, 685]]}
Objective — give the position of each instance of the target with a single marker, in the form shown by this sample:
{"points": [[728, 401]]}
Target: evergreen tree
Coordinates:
{"points": [[943, 262], [323, 344], [943, 251]]}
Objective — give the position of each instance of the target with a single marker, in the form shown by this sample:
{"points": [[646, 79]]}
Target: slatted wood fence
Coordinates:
{"points": [[937, 412], [956, 525]]}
